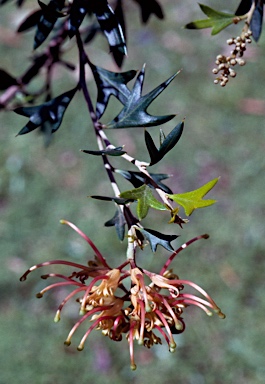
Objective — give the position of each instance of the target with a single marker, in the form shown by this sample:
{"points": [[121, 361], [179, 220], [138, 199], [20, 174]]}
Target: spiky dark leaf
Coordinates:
{"points": [[134, 112], [119, 222], [111, 28], [110, 152], [156, 238], [149, 7], [111, 83], [6, 80], [168, 143], [47, 116], [138, 179], [30, 21]]}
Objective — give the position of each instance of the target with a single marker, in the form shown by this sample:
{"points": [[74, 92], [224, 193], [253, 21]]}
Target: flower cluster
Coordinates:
{"points": [[146, 312], [226, 64]]}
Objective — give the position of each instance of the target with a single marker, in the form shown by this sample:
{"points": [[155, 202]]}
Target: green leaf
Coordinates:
{"points": [[47, 116], [119, 222], [145, 200], [110, 83], [167, 143], [156, 238], [216, 20], [134, 112], [138, 179], [110, 152], [193, 200]]}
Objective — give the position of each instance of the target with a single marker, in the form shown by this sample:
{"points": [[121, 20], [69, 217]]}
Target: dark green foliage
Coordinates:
{"points": [[257, 20], [134, 112], [50, 14], [149, 7], [156, 238], [138, 179], [110, 83], [47, 116], [110, 152], [118, 221], [78, 11], [165, 146]]}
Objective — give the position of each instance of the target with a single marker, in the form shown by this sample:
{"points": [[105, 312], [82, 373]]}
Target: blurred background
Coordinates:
{"points": [[224, 136]]}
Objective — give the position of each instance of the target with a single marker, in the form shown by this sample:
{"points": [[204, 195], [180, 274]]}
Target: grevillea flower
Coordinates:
{"points": [[148, 312]]}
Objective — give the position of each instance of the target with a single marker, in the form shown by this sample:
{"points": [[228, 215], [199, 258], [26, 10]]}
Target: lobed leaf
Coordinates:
{"points": [[193, 200], [47, 116], [134, 112], [156, 238], [110, 83], [145, 200]]}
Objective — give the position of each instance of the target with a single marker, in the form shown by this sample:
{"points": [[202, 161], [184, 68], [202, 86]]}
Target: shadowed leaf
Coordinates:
{"points": [[167, 143], [78, 11], [110, 152], [110, 83], [134, 112], [256, 20], [31, 21], [149, 7], [138, 179], [119, 222], [156, 238], [6, 80], [47, 116]]}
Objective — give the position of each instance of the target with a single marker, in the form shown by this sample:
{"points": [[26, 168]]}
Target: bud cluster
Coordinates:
{"points": [[226, 64]]}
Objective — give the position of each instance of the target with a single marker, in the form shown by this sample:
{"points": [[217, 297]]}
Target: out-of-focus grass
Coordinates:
{"points": [[40, 186]]}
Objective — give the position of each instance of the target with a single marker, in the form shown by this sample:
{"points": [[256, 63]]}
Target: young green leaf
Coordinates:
{"points": [[47, 116], [166, 144], [110, 83], [145, 200], [193, 200], [156, 238], [110, 152], [134, 112], [216, 20]]}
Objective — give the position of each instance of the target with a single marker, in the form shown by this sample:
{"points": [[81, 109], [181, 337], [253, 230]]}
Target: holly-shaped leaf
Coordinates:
{"points": [[156, 238], [134, 112], [216, 20], [167, 143], [112, 29], [108, 151], [145, 200], [110, 83], [138, 179], [47, 116], [119, 222], [193, 200]]}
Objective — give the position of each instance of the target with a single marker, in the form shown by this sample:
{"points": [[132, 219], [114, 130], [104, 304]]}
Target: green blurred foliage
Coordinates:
{"points": [[223, 136]]}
